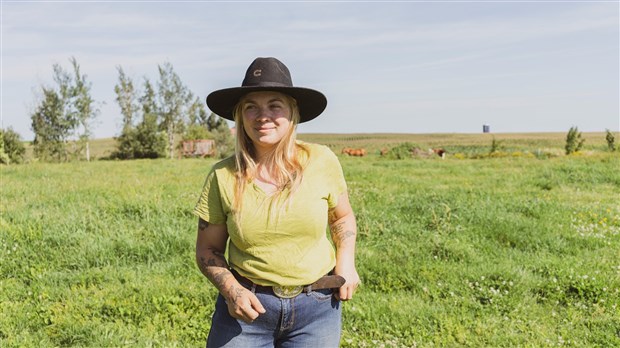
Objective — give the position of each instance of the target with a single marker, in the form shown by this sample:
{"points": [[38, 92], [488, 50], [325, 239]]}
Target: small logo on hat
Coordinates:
{"points": [[258, 72]]}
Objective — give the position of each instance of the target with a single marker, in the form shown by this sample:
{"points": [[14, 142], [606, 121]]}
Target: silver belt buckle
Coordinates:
{"points": [[287, 291]]}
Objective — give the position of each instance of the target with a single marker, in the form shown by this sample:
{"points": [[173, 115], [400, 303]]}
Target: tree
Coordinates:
{"points": [[4, 158], [150, 142], [173, 98], [64, 112], [126, 99], [12, 146], [224, 141], [574, 141], [196, 113], [50, 126], [214, 122], [150, 139], [611, 140], [144, 140], [82, 107], [196, 121]]}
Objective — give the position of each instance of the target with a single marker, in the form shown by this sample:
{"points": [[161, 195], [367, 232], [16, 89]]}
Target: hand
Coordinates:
{"points": [[243, 304], [352, 281]]}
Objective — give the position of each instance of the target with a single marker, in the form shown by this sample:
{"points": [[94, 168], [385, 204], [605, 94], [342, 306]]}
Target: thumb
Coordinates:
{"points": [[255, 303]]}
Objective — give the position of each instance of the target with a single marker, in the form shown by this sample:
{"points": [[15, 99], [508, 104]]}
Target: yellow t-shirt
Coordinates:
{"points": [[290, 247]]}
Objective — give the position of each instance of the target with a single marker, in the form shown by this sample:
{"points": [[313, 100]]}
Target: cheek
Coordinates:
{"points": [[248, 116], [284, 124]]}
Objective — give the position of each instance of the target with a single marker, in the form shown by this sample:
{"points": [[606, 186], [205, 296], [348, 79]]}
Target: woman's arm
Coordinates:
{"points": [[210, 248], [344, 231]]}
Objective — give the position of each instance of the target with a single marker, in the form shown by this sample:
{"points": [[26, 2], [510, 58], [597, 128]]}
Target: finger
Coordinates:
{"points": [[344, 293], [256, 305]]}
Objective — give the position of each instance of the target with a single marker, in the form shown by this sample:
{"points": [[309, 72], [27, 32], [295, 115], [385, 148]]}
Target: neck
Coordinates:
{"points": [[262, 153]]}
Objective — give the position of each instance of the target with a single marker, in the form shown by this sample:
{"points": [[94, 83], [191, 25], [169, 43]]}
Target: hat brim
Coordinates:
{"points": [[311, 102]]}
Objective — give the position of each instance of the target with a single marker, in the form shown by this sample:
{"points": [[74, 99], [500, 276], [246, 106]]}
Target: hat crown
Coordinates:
{"points": [[268, 72]]}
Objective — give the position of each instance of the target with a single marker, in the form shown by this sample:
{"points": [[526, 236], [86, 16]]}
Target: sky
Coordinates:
{"points": [[385, 67]]}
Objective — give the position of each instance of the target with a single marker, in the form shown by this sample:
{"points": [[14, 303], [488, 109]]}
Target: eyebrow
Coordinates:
{"points": [[250, 100]]}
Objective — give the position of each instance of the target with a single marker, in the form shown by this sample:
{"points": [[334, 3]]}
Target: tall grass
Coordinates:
{"points": [[493, 252]]}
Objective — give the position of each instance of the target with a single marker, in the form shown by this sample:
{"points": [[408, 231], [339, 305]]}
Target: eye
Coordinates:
{"points": [[276, 106], [249, 107]]}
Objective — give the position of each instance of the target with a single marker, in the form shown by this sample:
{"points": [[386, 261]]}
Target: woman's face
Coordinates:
{"points": [[266, 118]]}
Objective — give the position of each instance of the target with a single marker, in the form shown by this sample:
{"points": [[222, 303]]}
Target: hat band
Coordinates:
{"points": [[266, 84]]}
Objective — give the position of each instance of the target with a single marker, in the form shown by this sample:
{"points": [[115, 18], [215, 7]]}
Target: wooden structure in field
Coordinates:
{"points": [[199, 148]]}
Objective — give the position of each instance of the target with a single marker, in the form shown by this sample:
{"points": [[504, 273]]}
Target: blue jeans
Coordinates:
{"points": [[308, 320]]}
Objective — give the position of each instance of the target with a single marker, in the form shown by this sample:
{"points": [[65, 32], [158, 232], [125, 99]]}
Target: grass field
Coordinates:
{"points": [[493, 252]]}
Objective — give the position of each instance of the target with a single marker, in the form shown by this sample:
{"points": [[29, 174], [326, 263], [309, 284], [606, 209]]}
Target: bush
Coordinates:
{"points": [[402, 151], [496, 146], [224, 141], [611, 140], [197, 132], [12, 149], [145, 141], [4, 158], [574, 141]]}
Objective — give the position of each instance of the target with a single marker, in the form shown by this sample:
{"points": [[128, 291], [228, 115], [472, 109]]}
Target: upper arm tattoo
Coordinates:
{"points": [[331, 216], [202, 225]]}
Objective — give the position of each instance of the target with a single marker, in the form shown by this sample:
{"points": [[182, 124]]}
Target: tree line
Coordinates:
{"points": [[154, 117], [156, 114]]}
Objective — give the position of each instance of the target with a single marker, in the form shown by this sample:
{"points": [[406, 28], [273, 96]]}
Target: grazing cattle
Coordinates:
{"points": [[384, 151], [440, 152], [354, 152]]}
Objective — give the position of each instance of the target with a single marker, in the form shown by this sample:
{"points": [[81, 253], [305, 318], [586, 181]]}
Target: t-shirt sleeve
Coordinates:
{"points": [[209, 206], [335, 178]]}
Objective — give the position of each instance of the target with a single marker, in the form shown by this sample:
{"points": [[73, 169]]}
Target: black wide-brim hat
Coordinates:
{"points": [[268, 74]]}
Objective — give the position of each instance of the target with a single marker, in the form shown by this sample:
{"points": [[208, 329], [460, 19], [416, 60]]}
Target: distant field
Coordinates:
{"points": [[453, 142], [458, 143], [488, 252]]}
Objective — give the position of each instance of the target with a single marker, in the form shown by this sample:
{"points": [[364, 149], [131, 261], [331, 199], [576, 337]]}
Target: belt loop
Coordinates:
{"points": [[308, 289], [253, 288]]}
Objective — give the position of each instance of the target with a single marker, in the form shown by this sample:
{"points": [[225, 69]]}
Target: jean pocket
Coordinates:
{"points": [[322, 294]]}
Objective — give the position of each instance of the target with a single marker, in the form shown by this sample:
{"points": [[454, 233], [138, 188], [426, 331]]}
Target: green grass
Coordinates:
{"points": [[512, 251]]}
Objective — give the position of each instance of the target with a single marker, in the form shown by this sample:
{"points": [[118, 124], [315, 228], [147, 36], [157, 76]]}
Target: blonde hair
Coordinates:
{"points": [[285, 161]]}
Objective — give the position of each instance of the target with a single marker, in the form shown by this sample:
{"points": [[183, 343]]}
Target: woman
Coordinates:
{"points": [[270, 203]]}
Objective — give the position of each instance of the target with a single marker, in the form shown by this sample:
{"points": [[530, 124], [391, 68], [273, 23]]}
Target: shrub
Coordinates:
{"points": [[496, 145], [12, 149], [611, 140], [145, 141], [402, 151], [574, 141], [4, 158]]}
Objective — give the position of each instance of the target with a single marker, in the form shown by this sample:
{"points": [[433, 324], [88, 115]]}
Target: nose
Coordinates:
{"points": [[263, 115]]}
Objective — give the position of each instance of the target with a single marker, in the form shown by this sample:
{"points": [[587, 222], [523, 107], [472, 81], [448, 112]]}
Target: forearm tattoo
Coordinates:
{"points": [[234, 293], [340, 233], [213, 265]]}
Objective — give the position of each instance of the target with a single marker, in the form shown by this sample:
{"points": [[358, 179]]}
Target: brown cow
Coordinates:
{"points": [[440, 152], [354, 152]]}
